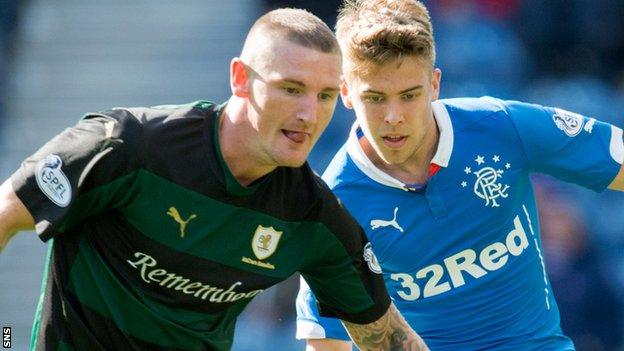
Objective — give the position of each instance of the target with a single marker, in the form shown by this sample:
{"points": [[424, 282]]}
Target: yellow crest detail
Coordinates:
{"points": [[265, 241]]}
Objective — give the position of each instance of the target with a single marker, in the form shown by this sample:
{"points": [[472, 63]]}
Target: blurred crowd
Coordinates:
{"points": [[9, 10], [564, 53]]}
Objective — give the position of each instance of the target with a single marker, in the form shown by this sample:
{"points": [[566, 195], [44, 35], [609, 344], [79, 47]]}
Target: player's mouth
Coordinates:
{"points": [[394, 141], [296, 137]]}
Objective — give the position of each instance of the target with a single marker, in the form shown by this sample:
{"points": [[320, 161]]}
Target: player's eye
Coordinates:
{"points": [[408, 96], [373, 99], [292, 90], [326, 96]]}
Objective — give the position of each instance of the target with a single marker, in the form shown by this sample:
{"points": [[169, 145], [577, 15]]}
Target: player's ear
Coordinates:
{"points": [[436, 76], [239, 78], [344, 93]]}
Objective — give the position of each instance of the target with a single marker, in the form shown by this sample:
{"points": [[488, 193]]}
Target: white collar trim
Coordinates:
{"points": [[445, 144], [441, 157]]}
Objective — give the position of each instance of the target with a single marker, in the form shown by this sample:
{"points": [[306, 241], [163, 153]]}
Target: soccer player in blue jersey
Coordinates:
{"points": [[442, 188]]}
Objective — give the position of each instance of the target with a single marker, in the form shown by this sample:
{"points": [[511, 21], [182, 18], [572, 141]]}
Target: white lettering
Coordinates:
{"points": [[227, 292], [491, 258], [238, 297], [432, 288], [180, 283], [407, 281], [515, 248], [155, 273], [467, 264], [490, 254], [252, 293], [176, 281], [210, 290], [145, 261], [214, 298], [187, 289]]}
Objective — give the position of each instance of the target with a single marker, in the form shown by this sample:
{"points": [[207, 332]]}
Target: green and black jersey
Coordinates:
{"points": [[157, 246]]}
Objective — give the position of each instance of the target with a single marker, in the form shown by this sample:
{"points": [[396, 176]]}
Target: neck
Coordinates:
{"points": [[235, 140], [414, 170]]}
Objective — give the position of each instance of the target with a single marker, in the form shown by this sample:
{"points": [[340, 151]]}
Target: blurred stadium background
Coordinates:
{"points": [[62, 58]]}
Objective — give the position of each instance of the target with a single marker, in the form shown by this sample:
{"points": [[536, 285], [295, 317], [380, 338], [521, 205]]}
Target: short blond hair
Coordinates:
{"points": [[374, 32], [296, 25]]}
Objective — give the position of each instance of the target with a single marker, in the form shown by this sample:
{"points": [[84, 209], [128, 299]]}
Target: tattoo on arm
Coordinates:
{"points": [[390, 332]]}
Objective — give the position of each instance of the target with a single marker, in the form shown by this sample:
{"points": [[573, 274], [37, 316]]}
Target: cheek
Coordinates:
{"points": [[277, 109], [372, 116], [269, 97]]}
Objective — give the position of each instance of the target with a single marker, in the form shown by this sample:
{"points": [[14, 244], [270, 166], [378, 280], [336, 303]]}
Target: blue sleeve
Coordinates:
{"points": [[568, 146], [310, 325]]}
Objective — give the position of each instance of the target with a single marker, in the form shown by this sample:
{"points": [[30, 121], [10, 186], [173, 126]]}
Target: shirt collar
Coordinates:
{"points": [[441, 157]]}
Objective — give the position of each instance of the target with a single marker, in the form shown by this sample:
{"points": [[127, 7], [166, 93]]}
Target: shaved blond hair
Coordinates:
{"points": [[374, 32], [296, 25]]}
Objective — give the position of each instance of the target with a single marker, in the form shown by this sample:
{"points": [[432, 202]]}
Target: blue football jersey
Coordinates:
{"points": [[462, 256]]}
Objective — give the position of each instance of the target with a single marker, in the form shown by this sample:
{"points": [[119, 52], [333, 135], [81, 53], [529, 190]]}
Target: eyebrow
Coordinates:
{"points": [[417, 87], [296, 82], [300, 84]]}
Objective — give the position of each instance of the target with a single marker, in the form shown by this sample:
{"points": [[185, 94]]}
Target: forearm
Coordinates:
{"points": [[390, 332], [13, 214], [7, 230], [328, 345], [5, 236]]}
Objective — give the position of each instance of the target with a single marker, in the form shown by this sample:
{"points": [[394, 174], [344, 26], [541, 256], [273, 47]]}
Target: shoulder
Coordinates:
{"points": [[468, 112], [165, 127], [342, 171], [465, 112], [306, 186], [153, 120], [315, 201]]}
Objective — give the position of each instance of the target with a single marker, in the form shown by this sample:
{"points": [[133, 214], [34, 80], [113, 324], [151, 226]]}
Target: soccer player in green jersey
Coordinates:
{"points": [[167, 221]]}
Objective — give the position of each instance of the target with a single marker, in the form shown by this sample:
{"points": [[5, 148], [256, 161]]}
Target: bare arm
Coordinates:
{"points": [[13, 214], [390, 332], [618, 182], [328, 345]]}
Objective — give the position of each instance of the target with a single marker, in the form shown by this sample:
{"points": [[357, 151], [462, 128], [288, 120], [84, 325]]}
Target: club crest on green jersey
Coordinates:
{"points": [[264, 242]]}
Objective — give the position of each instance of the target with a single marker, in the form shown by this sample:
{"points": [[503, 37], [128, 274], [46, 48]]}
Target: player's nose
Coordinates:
{"points": [[393, 116], [308, 110]]}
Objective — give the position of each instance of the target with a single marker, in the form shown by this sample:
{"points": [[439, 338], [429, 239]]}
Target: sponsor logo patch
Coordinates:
{"points": [[380, 223], [571, 123], [175, 214], [452, 272], [52, 181], [371, 259], [151, 273]]}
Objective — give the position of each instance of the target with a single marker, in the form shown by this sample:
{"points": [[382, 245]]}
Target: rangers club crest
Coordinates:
{"points": [[488, 183], [570, 122], [265, 241]]}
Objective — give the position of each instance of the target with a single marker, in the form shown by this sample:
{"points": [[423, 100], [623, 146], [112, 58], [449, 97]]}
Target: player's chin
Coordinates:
{"points": [[393, 157], [293, 159]]}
